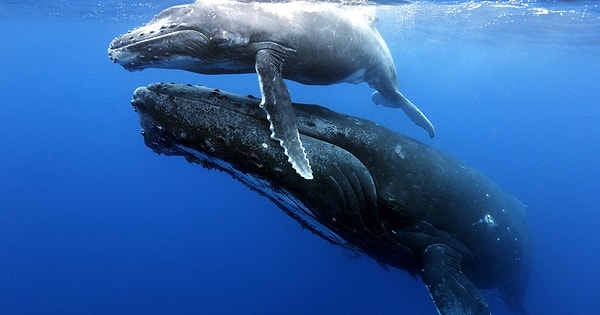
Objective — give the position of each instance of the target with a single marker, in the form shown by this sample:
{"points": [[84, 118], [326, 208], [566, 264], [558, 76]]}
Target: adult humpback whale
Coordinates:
{"points": [[306, 42], [381, 193]]}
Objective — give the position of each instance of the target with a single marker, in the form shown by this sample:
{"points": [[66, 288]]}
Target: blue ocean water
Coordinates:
{"points": [[93, 222]]}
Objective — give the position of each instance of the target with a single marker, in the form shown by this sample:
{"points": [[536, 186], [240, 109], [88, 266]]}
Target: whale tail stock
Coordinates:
{"points": [[397, 100]]}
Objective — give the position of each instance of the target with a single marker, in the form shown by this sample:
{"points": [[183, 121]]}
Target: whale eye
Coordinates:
{"points": [[219, 41], [221, 38]]}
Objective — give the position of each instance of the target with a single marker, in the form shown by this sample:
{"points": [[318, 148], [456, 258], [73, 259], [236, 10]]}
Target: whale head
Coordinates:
{"points": [[191, 37]]}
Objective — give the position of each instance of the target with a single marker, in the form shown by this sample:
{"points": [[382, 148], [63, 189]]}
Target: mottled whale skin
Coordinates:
{"points": [[311, 43], [378, 192]]}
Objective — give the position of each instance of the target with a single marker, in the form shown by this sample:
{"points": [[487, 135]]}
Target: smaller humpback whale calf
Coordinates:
{"points": [[311, 43], [404, 204]]}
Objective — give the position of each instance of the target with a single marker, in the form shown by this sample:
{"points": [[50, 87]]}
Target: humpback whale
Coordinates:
{"points": [[375, 191], [311, 43]]}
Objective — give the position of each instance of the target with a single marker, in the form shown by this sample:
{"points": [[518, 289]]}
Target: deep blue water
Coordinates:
{"points": [[93, 222]]}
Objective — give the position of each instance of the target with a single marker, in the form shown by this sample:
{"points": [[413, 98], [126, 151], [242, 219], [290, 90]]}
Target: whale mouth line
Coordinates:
{"points": [[128, 44], [172, 47]]}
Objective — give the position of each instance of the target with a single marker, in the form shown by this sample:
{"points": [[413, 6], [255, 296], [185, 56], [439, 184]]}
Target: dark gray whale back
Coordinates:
{"points": [[391, 197]]}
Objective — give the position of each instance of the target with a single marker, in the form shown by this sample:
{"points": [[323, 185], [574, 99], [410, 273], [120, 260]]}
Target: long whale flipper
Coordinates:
{"points": [[450, 289], [397, 100], [277, 103]]}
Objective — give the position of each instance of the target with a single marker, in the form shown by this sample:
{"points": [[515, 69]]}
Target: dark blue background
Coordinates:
{"points": [[93, 222]]}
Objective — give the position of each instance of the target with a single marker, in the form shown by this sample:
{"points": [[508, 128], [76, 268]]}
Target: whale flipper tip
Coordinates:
{"points": [[413, 112]]}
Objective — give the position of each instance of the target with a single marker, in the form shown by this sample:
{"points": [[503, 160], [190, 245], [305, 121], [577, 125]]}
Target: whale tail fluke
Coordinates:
{"points": [[397, 100]]}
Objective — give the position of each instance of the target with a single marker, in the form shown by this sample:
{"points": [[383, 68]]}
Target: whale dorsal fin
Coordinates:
{"points": [[277, 103]]}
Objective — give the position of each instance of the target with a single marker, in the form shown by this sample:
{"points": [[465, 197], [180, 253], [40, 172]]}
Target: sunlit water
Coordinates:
{"points": [[91, 221]]}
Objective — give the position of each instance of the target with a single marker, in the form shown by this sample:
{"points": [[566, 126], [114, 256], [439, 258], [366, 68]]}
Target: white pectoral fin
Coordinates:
{"points": [[277, 103], [412, 111]]}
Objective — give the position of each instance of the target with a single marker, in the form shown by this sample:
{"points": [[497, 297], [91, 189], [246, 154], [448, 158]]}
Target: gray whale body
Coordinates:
{"points": [[375, 191], [311, 43]]}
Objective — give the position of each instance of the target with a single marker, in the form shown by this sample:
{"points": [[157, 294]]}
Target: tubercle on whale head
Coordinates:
{"points": [[160, 41], [189, 37], [167, 21], [221, 130], [171, 50]]}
